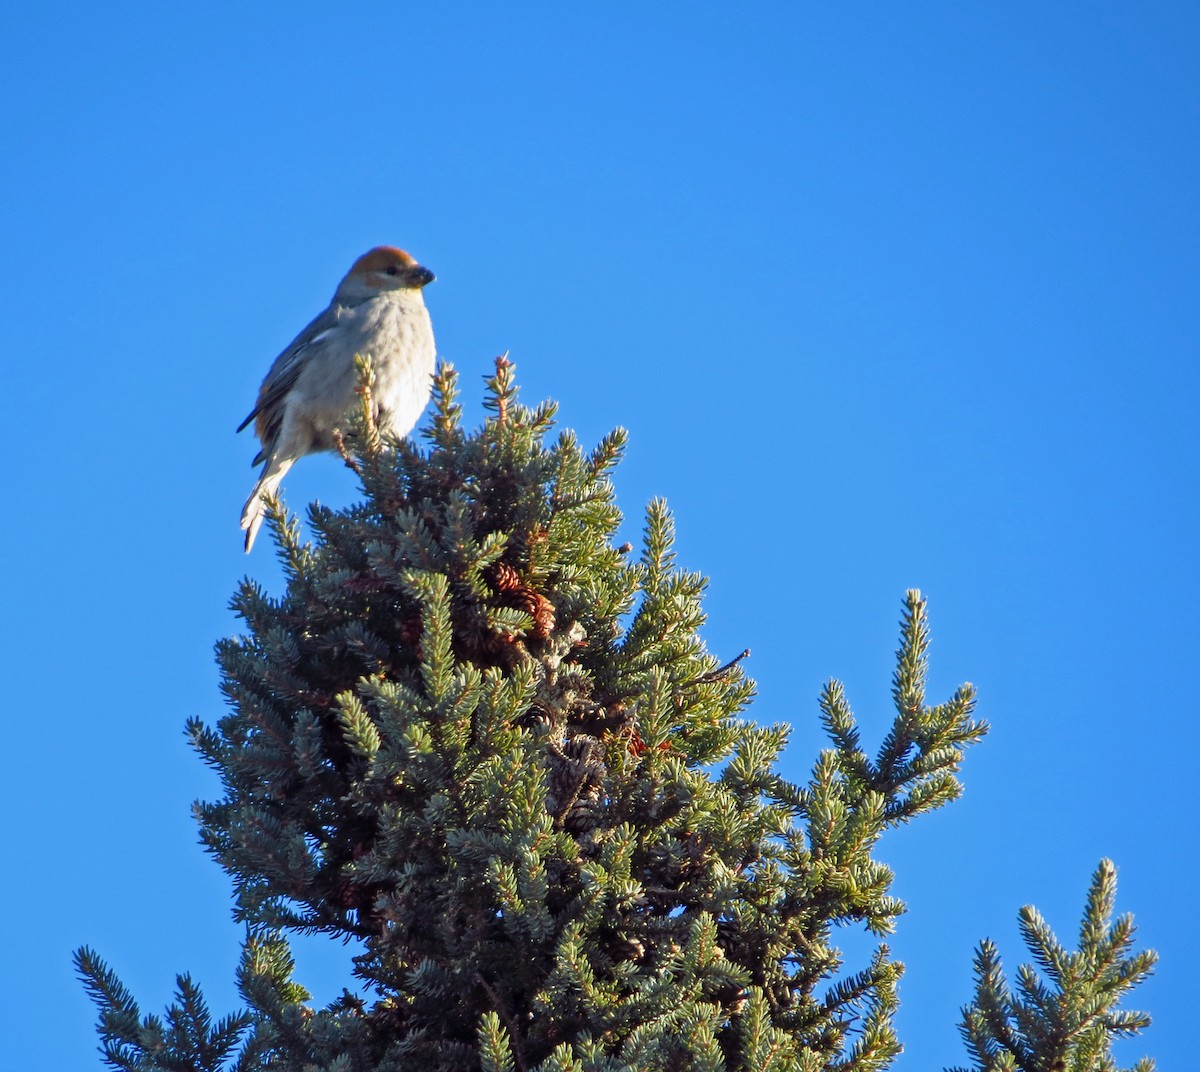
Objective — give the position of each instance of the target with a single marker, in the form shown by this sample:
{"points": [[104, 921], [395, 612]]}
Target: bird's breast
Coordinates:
{"points": [[398, 336]]}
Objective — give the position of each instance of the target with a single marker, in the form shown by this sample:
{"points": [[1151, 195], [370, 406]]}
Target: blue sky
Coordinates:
{"points": [[887, 296]]}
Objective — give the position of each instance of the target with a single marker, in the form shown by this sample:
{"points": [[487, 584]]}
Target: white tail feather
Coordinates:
{"points": [[255, 510]]}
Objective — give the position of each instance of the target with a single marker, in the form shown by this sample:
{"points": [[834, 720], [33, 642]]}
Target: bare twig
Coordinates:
{"points": [[720, 671]]}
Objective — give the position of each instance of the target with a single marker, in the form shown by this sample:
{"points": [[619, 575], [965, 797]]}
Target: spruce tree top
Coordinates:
{"points": [[490, 747]]}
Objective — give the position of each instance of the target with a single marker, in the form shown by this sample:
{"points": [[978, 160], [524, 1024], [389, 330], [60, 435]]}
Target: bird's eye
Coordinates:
{"points": [[391, 269]]}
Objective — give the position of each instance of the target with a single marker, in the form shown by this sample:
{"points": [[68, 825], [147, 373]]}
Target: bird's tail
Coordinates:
{"points": [[255, 509]]}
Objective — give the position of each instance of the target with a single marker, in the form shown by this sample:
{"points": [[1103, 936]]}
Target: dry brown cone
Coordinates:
{"points": [[543, 617], [538, 607], [504, 577], [505, 580]]}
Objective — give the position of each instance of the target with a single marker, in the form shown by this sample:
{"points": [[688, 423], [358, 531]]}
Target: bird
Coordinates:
{"points": [[378, 311]]}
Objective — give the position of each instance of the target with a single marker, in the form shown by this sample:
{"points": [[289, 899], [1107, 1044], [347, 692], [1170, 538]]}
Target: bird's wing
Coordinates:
{"points": [[285, 369]]}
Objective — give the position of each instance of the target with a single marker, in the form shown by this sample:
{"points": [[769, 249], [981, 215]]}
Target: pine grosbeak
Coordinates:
{"points": [[377, 311]]}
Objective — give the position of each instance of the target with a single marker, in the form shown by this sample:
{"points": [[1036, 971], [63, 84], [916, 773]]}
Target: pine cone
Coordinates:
{"points": [[538, 607], [525, 599], [504, 577], [543, 617], [576, 780]]}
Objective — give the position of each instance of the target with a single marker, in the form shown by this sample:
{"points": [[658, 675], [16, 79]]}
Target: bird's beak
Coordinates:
{"points": [[422, 276]]}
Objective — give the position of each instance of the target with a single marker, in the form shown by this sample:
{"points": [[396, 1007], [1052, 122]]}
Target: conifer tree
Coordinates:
{"points": [[490, 748], [1067, 1017]]}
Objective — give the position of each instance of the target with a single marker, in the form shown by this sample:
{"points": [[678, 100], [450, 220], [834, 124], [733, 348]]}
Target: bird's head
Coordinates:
{"points": [[382, 269]]}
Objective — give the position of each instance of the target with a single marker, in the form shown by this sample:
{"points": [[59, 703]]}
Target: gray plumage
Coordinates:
{"points": [[377, 311]]}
